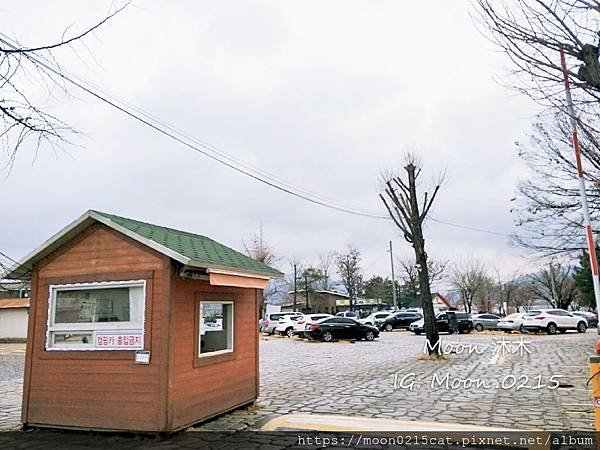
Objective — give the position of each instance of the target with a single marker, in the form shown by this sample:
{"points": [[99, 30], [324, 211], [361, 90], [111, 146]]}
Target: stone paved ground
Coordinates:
{"points": [[11, 386], [357, 379]]}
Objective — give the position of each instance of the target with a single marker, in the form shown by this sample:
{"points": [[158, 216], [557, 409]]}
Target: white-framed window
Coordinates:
{"points": [[106, 315], [215, 334]]}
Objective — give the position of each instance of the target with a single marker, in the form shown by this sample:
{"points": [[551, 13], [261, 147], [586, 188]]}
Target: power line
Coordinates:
{"points": [[199, 147], [207, 149], [466, 227]]}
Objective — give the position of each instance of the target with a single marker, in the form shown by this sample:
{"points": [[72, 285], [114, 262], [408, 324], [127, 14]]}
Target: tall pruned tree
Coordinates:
{"points": [[409, 210], [348, 268]]}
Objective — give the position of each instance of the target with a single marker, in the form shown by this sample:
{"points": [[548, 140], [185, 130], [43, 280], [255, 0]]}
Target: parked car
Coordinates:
{"points": [[302, 325], [349, 314], [512, 322], [375, 318], [399, 320], [334, 328], [553, 320], [465, 325], [485, 321], [270, 321], [592, 319], [285, 324]]}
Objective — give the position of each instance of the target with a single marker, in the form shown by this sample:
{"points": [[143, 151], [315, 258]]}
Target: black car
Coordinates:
{"points": [[399, 320], [442, 321], [592, 319], [334, 328]]}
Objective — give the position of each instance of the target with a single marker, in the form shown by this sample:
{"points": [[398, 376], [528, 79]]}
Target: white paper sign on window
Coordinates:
{"points": [[113, 340]]}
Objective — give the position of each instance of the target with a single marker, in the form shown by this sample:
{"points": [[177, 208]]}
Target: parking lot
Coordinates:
{"points": [[485, 382]]}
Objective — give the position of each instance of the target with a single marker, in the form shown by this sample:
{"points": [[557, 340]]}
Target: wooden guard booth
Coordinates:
{"points": [[138, 327]]}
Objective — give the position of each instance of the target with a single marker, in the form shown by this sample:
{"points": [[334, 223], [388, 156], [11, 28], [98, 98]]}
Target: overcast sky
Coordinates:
{"points": [[325, 94]]}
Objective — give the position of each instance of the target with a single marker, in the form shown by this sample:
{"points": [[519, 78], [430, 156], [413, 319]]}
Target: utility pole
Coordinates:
{"points": [[393, 277], [295, 279], [306, 290], [553, 285], [584, 203]]}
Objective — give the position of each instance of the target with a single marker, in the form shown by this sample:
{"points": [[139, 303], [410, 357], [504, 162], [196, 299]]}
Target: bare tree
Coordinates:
{"points": [[509, 290], [22, 119], [348, 267], [409, 275], [555, 285], [469, 278], [326, 262], [257, 248], [532, 33], [548, 205], [409, 211]]}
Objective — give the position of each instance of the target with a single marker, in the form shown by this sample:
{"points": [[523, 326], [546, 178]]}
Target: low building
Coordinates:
{"points": [[319, 301], [138, 327], [363, 306], [440, 303], [14, 309], [13, 318]]}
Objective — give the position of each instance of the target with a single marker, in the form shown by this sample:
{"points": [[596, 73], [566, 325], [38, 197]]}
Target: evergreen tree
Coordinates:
{"points": [[583, 281]]}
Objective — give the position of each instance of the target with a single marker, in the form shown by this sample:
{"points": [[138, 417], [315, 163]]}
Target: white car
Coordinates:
{"points": [[270, 321], [285, 325], [375, 318], [348, 314], [303, 324], [512, 322], [553, 320]]}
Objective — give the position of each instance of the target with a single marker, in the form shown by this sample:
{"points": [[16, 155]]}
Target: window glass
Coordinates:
{"points": [[335, 320], [92, 305], [97, 316], [72, 339], [216, 328]]}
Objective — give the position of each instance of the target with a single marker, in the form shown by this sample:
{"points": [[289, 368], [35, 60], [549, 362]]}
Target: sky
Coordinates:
{"points": [[325, 94]]}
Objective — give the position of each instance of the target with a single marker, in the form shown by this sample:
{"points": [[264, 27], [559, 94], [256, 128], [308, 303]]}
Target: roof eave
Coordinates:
{"points": [[135, 236], [21, 269], [25, 265], [235, 270]]}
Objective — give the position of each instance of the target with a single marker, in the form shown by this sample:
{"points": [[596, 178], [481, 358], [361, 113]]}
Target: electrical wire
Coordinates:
{"points": [[209, 150], [199, 146], [466, 227]]}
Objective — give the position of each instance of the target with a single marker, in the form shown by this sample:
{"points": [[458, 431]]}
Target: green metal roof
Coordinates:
{"points": [[201, 250]]}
